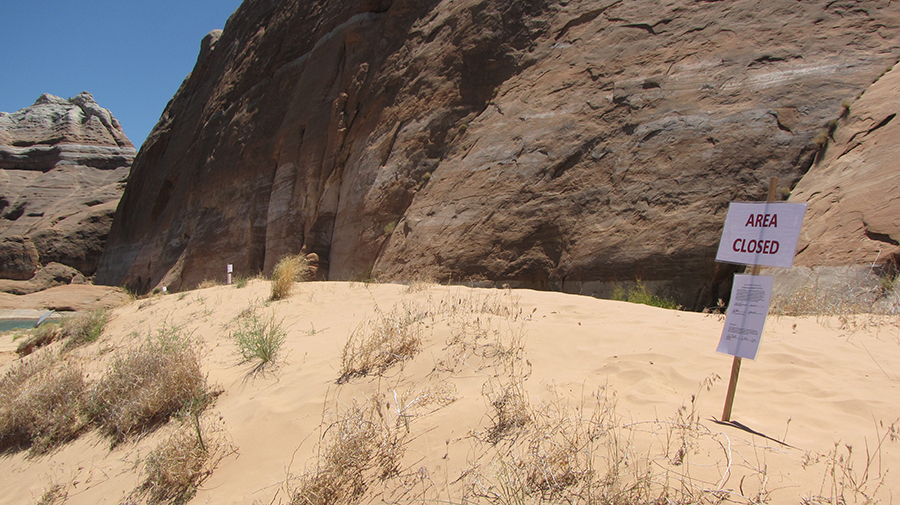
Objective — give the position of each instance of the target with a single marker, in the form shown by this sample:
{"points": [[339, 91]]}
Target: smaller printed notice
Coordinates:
{"points": [[746, 316]]}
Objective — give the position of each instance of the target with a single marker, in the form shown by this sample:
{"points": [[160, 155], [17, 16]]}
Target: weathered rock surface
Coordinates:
{"points": [[557, 145], [63, 166]]}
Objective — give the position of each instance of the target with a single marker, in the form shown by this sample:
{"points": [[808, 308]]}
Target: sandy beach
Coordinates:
{"points": [[634, 390]]}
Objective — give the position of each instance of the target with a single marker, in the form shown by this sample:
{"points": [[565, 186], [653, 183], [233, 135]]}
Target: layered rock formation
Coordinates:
{"points": [[558, 145], [63, 167]]}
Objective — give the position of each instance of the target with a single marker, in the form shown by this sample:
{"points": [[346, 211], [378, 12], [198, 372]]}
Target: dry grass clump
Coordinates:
{"points": [[382, 341], [40, 403], [288, 270], [357, 449], [510, 408], [147, 385], [54, 495], [209, 283], [183, 460], [412, 403], [83, 328]]}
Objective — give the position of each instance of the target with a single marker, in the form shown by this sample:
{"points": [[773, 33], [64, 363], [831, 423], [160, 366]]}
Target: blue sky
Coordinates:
{"points": [[131, 55]]}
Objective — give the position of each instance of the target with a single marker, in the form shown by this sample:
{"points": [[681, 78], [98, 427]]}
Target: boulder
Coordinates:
{"points": [[63, 167], [50, 275], [554, 145], [19, 258]]}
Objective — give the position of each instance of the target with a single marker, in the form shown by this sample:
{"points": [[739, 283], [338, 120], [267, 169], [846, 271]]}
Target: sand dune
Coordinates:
{"points": [[827, 388]]}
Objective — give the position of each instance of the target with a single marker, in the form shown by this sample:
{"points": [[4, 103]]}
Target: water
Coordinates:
{"points": [[12, 324]]}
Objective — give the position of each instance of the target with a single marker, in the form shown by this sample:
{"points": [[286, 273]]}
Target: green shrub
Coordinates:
{"points": [[640, 293], [258, 339]]}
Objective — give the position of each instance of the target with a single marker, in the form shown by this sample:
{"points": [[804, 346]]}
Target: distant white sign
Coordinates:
{"points": [[746, 315], [761, 233]]}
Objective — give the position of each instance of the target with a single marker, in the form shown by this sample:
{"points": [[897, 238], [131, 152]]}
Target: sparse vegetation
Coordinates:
{"points": [[288, 270], [85, 328], [145, 386], [640, 293], [379, 342], [357, 449], [852, 296]]}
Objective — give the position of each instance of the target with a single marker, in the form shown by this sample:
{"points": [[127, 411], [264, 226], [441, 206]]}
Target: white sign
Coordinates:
{"points": [[746, 316], [761, 233]]}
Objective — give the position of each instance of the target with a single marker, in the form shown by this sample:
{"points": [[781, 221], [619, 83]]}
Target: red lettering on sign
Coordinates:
{"points": [[762, 221], [756, 246]]}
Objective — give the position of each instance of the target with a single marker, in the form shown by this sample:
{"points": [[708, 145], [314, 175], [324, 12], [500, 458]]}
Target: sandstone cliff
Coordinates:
{"points": [[63, 165], [852, 192], [550, 144]]}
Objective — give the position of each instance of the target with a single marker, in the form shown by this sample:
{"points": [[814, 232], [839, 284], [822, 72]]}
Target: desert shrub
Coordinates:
{"points": [[360, 447], [40, 403], [640, 293], [378, 343], [178, 465], [147, 385], [258, 338], [289, 269]]}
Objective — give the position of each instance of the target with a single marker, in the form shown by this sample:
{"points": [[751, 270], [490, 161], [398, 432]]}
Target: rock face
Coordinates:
{"points": [[549, 144], [63, 165]]}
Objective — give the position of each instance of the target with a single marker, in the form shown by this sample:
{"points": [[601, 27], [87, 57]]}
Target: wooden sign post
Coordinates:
{"points": [[755, 234]]}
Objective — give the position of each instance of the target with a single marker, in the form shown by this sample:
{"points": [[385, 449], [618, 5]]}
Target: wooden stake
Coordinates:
{"points": [[736, 364]]}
